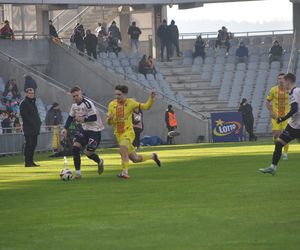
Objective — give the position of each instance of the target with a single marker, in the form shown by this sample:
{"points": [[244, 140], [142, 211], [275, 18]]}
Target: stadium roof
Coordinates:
{"points": [[111, 2]]}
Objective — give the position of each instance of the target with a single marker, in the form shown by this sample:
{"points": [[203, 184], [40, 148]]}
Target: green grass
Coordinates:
{"points": [[205, 196]]}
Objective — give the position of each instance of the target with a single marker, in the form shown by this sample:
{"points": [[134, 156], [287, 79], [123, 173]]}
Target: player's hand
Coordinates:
{"points": [[110, 117], [64, 133], [153, 93], [79, 119], [279, 120]]}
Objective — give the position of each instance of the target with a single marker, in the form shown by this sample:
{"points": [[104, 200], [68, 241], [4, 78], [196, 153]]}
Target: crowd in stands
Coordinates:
{"points": [[105, 40], [10, 99]]}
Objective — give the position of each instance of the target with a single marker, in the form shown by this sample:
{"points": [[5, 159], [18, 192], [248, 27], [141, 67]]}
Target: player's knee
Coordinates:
{"points": [[76, 151], [279, 144]]}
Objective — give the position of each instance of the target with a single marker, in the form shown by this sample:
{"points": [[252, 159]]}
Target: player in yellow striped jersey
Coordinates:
{"points": [[278, 106], [120, 118]]}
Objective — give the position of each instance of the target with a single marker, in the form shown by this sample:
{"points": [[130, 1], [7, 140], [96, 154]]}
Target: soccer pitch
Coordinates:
{"points": [[205, 196]]}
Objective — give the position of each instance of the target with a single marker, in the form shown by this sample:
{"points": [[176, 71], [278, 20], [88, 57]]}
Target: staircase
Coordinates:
{"points": [[89, 18], [198, 94]]}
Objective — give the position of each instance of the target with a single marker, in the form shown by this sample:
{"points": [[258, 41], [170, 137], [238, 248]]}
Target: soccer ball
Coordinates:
{"points": [[66, 174]]}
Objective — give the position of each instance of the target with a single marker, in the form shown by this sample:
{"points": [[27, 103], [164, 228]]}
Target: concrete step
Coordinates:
{"points": [[199, 92], [191, 86]]}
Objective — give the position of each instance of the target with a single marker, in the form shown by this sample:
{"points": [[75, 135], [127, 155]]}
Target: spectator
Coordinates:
{"points": [[53, 120], [171, 123], [102, 40], [275, 53], [98, 29], [113, 45], [6, 123], [138, 126], [223, 39], [52, 30], [163, 35], [150, 66], [248, 119], [200, 48], [143, 67], [174, 38], [134, 33], [91, 42], [78, 38], [114, 32], [54, 116], [11, 97], [241, 53], [31, 126], [6, 32], [30, 83], [17, 123]]}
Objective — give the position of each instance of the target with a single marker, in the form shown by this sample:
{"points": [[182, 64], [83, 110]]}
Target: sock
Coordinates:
{"points": [[146, 157], [277, 153], [125, 165], [78, 172], [286, 148], [76, 158], [94, 157]]}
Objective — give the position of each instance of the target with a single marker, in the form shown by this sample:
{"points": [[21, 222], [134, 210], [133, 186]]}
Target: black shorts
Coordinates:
{"points": [[289, 134], [88, 138]]}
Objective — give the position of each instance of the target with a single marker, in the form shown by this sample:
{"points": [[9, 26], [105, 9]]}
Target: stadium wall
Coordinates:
{"points": [[98, 83]]}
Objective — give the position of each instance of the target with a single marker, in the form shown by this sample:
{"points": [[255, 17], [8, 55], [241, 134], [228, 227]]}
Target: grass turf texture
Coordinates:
{"points": [[205, 196]]}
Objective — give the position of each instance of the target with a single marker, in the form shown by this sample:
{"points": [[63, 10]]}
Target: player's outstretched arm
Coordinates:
{"points": [[149, 103]]}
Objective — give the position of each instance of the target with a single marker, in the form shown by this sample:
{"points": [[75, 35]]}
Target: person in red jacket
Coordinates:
{"points": [[6, 32], [171, 123]]}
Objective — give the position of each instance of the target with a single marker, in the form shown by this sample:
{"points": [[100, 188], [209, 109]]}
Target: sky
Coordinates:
{"points": [[237, 16]]}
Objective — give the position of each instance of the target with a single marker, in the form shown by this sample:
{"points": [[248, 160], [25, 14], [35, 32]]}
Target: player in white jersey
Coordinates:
{"points": [[292, 130], [84, 112]]}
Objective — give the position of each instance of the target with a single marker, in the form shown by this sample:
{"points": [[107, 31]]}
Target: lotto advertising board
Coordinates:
{"points": [[226, 127]]}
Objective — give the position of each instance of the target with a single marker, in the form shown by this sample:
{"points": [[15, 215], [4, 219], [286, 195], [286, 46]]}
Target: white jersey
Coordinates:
{"points": [[294, 95], [85, 109]]}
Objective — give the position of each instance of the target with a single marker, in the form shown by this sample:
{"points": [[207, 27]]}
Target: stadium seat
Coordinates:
{"points": [[188, 53], [198, 60]]}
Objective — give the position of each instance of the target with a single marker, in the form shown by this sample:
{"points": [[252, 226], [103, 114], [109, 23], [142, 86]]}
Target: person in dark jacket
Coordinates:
{"points": [[53, 116], [275, 53], [143, 67], [52, 30], [78, 38], [31, 126], [114, 32], [200, 47], [164, 36], [171, 123], [90, 42], [248, 119], [241, 53], [174, 38], [30, 83], [134, 33]]}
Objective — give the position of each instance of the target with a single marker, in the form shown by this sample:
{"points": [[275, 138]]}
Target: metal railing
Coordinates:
{"points": [[293, 57], [208, 35], [73, 20]]}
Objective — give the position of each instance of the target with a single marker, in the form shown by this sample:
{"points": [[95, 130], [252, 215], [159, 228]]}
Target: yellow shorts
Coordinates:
{"points": [[279, 126], [126, 139]]}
